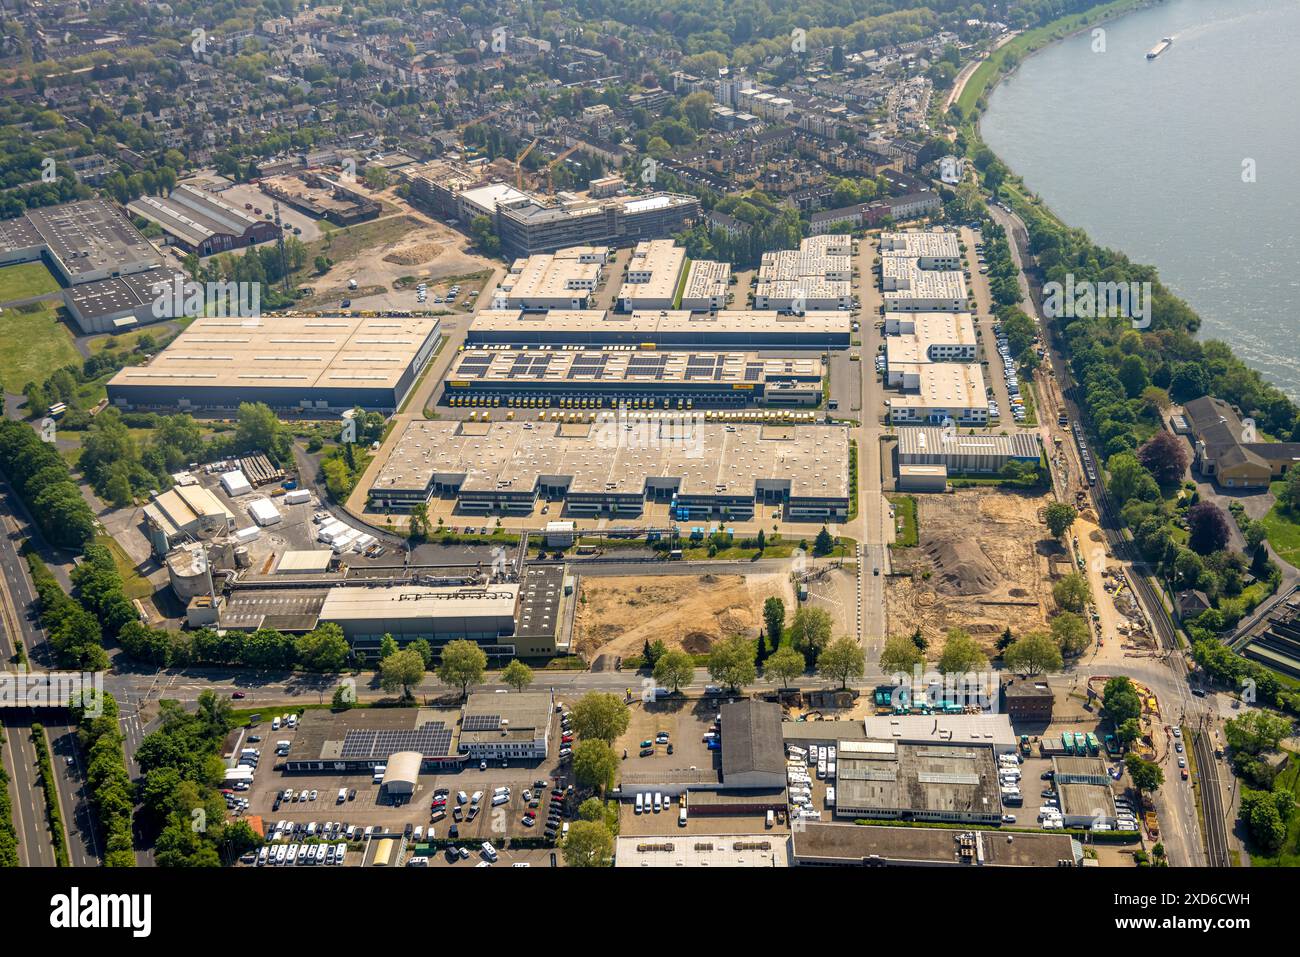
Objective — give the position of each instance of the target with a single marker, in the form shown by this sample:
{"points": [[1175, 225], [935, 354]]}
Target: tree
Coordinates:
{"points": [[1060, 517], [673, 670], [1146, 775], [1165, 456], [784, 665], [595, 764], [387, 646], [843, 659], [1265, 822], [402, 669], [1207, 528], [900, 655], [1129, 481], [1033, 654], [731, 662], [1071, 633], [1072, 592], [824, 543], [961, 654], [600, 716], [345, 698], [589, 844], [810, 632], [774, 619], [323, 648], [463, 663], [517, 675], [1121, 700], [1129, 731], [1256, 731]]}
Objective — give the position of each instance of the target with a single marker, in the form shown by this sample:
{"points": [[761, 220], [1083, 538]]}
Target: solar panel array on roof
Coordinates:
{"points": [[431, 738], [481, 722]]}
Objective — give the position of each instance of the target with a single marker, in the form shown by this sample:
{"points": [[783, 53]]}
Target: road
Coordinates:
{"points": [[1170, 681], [21, 621]]}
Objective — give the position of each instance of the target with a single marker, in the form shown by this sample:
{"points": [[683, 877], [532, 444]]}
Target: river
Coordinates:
{"points": [[1188, 162]]}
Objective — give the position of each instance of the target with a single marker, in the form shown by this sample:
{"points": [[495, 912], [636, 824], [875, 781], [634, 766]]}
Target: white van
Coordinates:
{"points": [[275, 724], [489, 851], [343, 796], [499, 799], [293, 721], [640, 803], [659, 802], [769, 821]]}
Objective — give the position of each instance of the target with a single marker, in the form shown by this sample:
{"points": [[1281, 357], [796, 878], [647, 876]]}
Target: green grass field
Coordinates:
{"points": [[39, 344], [26, 280], [908, 534], [1283, 528]]}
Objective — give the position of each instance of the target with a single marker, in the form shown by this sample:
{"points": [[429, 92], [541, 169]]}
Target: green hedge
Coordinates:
{"points": [[52, 810]]}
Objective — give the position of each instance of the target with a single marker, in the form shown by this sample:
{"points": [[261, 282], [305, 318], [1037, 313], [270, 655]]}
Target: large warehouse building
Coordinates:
{"points": [[604, 469], [620, 374], [965, 453], [945, 391], [663, 329], [485, 615], [654, 274], [321, 362], [565, 280], [81, 241], [888, 780], [200, 222]]}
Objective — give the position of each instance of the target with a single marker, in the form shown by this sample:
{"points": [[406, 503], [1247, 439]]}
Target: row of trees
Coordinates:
{"points": [[41, 479], [182, 772], [108, 783]]}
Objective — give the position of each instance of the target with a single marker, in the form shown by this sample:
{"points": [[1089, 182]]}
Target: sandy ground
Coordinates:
{"points": [[987, 555], [617, 615]]}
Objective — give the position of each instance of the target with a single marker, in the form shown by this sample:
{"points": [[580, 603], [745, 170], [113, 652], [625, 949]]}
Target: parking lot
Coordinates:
{"points": [[366, 804]]}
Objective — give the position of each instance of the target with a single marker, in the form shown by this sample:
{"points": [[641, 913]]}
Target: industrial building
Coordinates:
{"points": [[291, 362], [946, 391], [815, 276], [764, 850], [185, 513], [991, 730], [201, 222], [752, 755], [612, 468], [620, 374], [565, 280], [938, 782], [908, 356], [358, 741], [1028, 700], [529, 223], [966, 453], [484, 615], [847, 845], [507, 727], [81, 241], [1083, 789], [708, 285], [664, 329], [931, 249], [909, 288], [654, 274]]}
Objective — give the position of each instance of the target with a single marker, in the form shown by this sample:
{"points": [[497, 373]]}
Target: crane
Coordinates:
{"points": [[550, 181], [519, 161]]}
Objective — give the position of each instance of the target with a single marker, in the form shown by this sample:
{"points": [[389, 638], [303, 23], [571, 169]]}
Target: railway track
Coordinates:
{"points": [[1216, 828]]}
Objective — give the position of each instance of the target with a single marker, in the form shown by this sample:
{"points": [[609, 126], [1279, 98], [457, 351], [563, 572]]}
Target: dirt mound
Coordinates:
{"points": [[415, 254], [962, 568]]}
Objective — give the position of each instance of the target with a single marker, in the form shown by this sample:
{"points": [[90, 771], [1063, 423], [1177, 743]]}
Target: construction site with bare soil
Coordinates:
{"points": [[984, 562], [617, 615]]}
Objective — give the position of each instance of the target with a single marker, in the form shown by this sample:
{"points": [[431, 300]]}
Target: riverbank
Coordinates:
{"points": [[972, 100]]}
